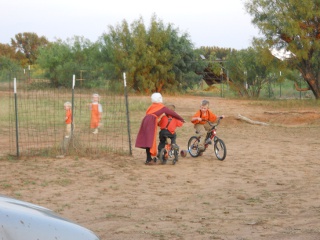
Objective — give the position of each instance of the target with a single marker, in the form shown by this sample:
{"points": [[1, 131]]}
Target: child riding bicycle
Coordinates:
{"points": [[200, 120], [168, 125], [147, 135]]}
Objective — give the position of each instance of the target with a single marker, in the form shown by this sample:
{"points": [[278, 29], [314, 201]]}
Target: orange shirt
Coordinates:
{"points": [[207, 116], [96, 111], [68, 116], [174, 123]]}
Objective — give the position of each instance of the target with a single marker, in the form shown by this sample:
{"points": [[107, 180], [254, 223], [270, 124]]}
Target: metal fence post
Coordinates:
{"points": [[16, 114], [127, 109]]}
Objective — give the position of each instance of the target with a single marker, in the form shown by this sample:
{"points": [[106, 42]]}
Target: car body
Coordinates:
{"points": [[21, 220]]}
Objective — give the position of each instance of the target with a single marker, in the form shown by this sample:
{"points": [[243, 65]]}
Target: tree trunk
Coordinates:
{"points": [[313, 82]]}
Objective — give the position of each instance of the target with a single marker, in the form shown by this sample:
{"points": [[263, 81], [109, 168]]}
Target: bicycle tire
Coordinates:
{"points": [[193, 146], [163, 156], [175, 156], [220, 149]]}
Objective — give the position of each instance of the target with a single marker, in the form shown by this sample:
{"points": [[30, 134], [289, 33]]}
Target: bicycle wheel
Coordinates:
{"points": [[193, 146], [163, 156], [220, 149], [175, 156]]}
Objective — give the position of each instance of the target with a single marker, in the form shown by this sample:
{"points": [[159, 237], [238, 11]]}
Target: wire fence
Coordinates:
{"points": [[32, 119]]}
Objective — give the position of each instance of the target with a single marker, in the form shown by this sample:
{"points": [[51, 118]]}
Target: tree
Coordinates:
{"points": [[28, 43], [7, 51], [154, 59], [63, 59], [53, 59], [293, 25]]}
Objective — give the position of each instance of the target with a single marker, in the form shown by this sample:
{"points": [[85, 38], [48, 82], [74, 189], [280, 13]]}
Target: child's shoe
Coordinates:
{"points": [[149, 162], [175, 146], [95, 131]]}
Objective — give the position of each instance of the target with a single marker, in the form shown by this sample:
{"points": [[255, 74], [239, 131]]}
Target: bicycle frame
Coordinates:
{"points": [[212, 133]]}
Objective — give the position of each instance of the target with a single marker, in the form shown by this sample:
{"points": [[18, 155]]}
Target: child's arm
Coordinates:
{"points": [[179, 123], [196, 118]]}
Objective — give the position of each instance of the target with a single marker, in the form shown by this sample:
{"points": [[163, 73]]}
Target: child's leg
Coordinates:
{"points": [[149, 158], [173, 141], [162, 140], [173, 138], [68, 130], [201, 133]]}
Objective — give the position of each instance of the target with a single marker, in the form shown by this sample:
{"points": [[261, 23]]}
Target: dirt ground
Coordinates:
{"points": [[266, 188]]}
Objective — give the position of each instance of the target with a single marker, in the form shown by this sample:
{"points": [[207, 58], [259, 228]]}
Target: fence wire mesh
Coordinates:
{"points": [[32, 120]]}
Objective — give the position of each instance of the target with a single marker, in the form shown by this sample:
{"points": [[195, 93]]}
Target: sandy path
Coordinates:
{"points": [[267, 188]]}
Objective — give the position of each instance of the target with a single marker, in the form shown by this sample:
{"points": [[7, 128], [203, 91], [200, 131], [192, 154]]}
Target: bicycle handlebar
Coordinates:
{"points": [[211, 123], [214, 125]]}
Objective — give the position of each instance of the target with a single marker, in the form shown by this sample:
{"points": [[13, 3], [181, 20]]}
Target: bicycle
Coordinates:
{"points": [[219, 146], [169, 151]]}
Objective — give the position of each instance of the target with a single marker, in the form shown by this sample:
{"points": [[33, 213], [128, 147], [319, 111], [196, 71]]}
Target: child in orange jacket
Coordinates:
{"points": [[168, 125], [96, 113], [200, 119]]}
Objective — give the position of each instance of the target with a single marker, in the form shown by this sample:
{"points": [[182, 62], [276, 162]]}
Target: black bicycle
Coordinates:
{"points": [[219, 146]]}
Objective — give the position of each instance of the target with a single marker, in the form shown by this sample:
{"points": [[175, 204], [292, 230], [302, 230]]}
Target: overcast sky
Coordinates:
{"points": [[222, 23]]}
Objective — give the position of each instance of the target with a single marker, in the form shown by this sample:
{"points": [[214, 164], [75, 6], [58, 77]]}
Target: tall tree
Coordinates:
{"points": [[28, 44], [63, 59], [293, 25], [53, 59], [153, 58]]}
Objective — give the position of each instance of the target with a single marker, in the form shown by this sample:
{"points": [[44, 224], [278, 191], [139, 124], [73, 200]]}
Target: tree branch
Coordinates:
{"points": [[240, 117], [301, 89]]}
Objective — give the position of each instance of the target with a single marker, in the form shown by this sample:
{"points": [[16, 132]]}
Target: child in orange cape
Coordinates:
{"points": [[147, 134]]}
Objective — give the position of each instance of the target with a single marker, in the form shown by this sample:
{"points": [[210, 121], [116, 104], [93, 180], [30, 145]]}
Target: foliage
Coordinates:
{"points": [[215, 53], [154, 59], [249, 70], [8, 64], [7, 51], [292, 25], [27, 44], [63, 59]]}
